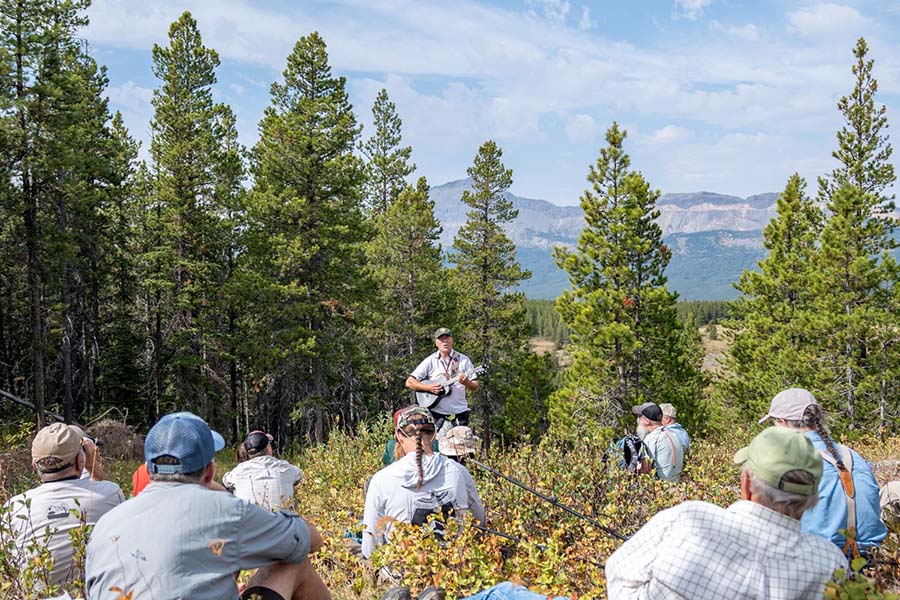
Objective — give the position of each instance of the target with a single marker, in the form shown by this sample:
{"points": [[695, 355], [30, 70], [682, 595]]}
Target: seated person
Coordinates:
{"points": [[179, 539], [392, 451], [797, 409], [141, 477], [754, 549], [417, 485], [63, 502], [263, 479]]}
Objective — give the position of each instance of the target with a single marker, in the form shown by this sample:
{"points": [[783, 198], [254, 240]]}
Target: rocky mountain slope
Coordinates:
{"points": [[714, 237]]}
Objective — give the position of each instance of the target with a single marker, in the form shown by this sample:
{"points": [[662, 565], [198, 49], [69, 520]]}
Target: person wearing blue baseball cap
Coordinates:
{"points": [[141, 476], [179, 539]]}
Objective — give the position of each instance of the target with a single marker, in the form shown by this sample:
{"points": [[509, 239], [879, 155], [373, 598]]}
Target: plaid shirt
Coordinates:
{"points": [[701, 551]]}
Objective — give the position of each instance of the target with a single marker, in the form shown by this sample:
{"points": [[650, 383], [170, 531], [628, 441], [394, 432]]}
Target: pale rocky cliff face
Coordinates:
{"points": [[713, 237]]}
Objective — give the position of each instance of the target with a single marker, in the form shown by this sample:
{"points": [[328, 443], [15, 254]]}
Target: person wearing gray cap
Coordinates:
{"points": [[848, 491], [754, 549], [446, 363]]}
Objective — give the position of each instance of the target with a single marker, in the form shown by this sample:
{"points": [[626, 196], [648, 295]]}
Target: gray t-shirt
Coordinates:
{"points": [[182, 540], [53, 509]]}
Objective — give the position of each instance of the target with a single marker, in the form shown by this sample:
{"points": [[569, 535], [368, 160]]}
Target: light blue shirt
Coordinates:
{"points": [[682, 434], [182, 540], [830, 514]]}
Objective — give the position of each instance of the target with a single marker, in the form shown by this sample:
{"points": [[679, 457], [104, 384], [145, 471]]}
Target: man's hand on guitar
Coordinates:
{"points": [[434, 389]]}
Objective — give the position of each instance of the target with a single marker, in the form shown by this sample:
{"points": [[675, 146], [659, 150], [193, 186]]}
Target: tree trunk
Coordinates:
{"points": [[66, 317]]}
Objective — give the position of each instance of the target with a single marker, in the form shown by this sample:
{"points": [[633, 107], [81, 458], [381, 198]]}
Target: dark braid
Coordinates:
{"points": [[812, 416], [415, 427], [419, 452]]}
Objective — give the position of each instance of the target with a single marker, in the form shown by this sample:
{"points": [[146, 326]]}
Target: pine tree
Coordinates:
{"points": [[411, 294], [388, 164], [625, 337], [188, 250], [490, 314], [305, 244], [855, 273], [773, 345]]}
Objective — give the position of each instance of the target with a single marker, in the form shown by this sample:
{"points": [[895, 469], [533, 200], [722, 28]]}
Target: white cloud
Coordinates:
{"points": [[464, 72], [746, 33], [669, 134], [581, 128], [825, 19], [585, 22], [690, 9], [555, 11]]}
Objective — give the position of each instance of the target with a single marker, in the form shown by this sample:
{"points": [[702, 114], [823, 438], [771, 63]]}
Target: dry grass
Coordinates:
{"points": [[714, 349]]}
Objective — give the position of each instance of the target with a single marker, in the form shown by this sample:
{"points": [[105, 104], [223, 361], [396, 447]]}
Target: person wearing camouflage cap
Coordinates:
{"points": [[419, 484], [754, 549], [446, 363]]}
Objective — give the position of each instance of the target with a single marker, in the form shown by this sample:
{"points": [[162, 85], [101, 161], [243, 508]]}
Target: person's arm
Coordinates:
{"points": [[267, 537], [468, 377], [93, 461], [372, 514], [628, 569], [475, 503], [420, 374]]}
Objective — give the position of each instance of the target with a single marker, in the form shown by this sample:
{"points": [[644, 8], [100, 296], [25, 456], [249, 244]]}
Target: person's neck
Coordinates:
{"points": [[67, 474], [445, 354]]}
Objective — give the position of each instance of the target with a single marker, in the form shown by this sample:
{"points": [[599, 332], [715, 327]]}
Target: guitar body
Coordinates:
{"points": [[429, 400]]}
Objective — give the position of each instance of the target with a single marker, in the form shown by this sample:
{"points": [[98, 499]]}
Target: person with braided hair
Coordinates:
{"points": [[417, 485], [848, 491]]}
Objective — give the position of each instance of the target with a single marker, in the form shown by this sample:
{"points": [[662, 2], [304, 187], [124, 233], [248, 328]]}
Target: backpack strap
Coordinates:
{"points": [[851, 548]]}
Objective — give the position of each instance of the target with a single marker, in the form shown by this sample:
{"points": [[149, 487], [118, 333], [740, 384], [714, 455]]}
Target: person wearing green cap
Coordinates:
{"points": [[446, 363], [753, 549]]}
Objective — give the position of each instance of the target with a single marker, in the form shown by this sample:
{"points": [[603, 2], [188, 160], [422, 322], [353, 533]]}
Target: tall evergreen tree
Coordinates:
{"points": [[411, 293], [188, 249], [773, 346], [625, 332], [388, 164], [855, 273], [305, 244], [489, 313]]}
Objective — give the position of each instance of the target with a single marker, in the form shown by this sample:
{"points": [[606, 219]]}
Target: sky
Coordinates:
{"points": [[728, 96]]}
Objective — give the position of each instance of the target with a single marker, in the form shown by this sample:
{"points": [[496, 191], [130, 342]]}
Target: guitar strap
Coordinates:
{"points": [[846, 475]]}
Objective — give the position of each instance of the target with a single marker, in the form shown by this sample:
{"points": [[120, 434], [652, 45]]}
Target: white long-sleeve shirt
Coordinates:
{"points": [[392, 493]]}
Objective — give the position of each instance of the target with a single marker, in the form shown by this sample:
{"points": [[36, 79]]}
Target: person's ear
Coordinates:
{"points": [[209, 473], [80, 460], [745, 486]]}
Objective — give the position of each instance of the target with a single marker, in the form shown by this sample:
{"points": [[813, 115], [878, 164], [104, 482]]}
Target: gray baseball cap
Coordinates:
{"points": [[790, 404], [441, 331]]}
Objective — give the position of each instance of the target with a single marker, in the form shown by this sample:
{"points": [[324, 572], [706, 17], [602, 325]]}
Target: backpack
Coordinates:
{"points": [[628, 451]]}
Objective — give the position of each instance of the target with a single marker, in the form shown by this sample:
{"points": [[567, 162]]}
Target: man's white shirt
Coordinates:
{"points": [[265, 480], [434, 367]]}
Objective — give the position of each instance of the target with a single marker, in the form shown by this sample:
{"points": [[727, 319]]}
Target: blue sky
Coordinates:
{"points": [[730, 96]]}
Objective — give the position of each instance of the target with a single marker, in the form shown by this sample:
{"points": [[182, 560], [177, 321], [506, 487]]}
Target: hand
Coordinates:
{"points": [[463, 378], [435, 389], [92, 457]]}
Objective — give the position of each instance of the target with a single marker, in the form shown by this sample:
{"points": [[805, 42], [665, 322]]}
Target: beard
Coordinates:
{"points": [[642, 430]]}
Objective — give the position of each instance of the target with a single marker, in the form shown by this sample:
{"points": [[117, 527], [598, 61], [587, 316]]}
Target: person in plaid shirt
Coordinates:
{"points": [[752, 549]]}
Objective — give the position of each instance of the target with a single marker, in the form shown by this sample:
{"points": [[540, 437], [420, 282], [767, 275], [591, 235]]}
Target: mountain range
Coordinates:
{"points": [[713, 237]]}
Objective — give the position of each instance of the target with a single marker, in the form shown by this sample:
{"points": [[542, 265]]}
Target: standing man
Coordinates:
{"points": [[754, 549], [670, 422], [263, 479], [663, 446], [446, 364], [64, 502]]}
